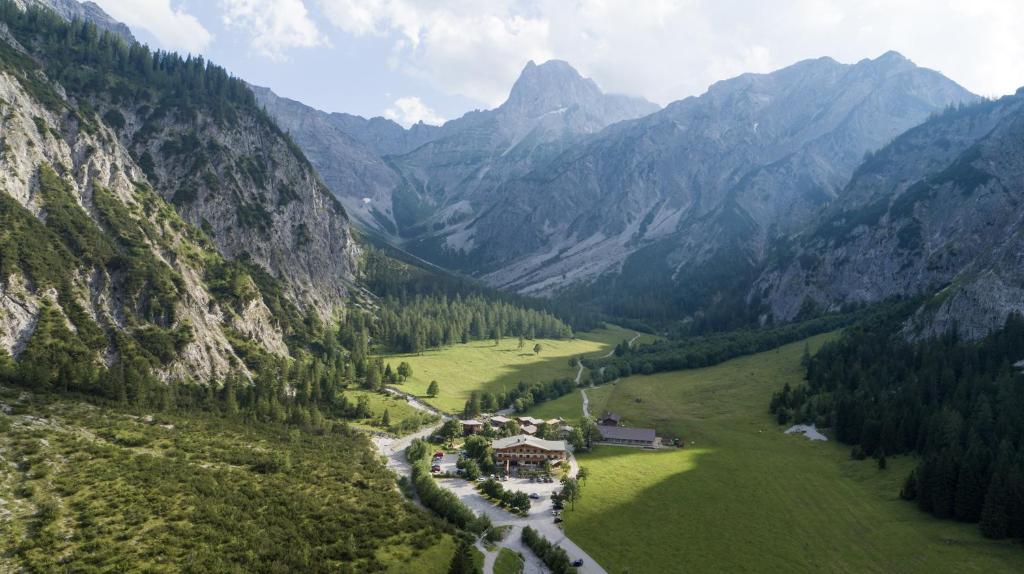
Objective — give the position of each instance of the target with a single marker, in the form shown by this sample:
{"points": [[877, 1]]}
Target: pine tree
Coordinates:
{"points": [[385, 419], [462, 562], [994, 521], [433, 389]]}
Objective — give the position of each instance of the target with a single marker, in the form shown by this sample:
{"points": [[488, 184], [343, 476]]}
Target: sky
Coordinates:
{"points": [[433, 60]]}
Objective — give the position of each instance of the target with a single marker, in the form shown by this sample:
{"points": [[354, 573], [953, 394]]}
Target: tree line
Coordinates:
{"points": [[957, 405], [704, 351]]}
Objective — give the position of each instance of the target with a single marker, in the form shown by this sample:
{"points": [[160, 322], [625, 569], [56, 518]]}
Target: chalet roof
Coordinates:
{"points": [[529, 420], [499, 420], [471, 422], [521, 439], [529, 429], [626, 433], [608, 415]]}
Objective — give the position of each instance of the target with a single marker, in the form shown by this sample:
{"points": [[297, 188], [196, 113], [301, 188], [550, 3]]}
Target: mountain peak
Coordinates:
{"points": [[550, 86]]}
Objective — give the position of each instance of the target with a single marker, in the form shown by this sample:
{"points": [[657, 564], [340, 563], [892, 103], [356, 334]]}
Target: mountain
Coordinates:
{"points": [[401, 183], [936, 213], [154, 216], [566, 191], [348, 151], [685, 201], [84, 11]]}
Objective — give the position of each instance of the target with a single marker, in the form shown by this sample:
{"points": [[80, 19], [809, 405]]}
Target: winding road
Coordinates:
{"points": [[539, 518]]}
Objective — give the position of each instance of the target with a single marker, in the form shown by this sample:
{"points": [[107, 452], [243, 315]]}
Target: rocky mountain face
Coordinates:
{"points": [[158, 214], [348, 152], [936, 211], [703, 186], [408, 184], [566, 190]]}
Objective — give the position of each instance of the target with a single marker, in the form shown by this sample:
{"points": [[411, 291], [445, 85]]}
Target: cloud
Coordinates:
{"points": [[274, 26], [475, 49], [411, 110], [172, 27], [668, 49]]}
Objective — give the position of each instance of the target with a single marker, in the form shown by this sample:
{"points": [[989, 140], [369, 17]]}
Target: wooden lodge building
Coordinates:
{"points": [[526, 450]]}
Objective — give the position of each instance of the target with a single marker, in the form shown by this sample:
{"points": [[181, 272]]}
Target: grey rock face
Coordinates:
{"points": [[410, 183], [936, 211], [710, 176]]}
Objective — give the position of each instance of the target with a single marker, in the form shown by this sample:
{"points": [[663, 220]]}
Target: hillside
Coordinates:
{"points": [[100, 138], [935, 212]]}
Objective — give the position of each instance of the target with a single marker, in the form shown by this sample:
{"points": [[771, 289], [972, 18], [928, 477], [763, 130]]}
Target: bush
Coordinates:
{"points": [[553, 556]]}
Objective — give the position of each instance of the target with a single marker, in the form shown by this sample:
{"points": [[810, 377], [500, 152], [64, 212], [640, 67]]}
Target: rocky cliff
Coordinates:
{"points": [[152, 207], [936, 213], [411, 185]]}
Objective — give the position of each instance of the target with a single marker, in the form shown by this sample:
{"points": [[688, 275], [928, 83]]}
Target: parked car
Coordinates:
{"points": [[558, 519], [534, 496], [578, 563], [533, 479], [481, 479], [435, 468], [439, 454], [549, 480]]}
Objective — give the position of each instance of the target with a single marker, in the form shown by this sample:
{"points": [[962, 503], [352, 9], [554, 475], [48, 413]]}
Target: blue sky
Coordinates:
{"points": [[434, 60]]}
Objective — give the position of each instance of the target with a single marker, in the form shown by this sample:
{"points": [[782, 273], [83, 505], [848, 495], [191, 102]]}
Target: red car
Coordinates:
{"points": [[439, 454]]}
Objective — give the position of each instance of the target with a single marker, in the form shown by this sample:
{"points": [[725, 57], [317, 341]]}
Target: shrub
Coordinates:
{"points": [[553, 556]]}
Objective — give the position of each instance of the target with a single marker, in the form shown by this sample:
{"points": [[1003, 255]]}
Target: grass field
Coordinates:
{"points": [[747, 498], [508, 562], [570, 407], [398, 410], [482, 366]]}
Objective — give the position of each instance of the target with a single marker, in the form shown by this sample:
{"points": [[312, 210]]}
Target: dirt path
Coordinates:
{"points": [[414, 401]]}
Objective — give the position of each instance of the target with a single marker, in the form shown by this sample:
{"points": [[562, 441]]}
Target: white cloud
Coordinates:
{"points": [[274, 26], [669, 49], [411, 110], [172, 27], [464, 47]]}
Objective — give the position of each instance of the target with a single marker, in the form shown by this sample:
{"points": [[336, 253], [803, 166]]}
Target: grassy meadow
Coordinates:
{"points": [[484, 366], [508, 562], [745, 497], [398, 409]]}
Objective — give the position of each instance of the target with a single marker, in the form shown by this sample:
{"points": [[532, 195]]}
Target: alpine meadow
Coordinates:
{"points": [[511, 287]]}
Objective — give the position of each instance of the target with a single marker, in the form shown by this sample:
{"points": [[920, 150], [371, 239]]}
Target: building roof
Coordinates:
{"points": [[522, 439], [608, 415], [499, 420], [528, 429], [530, 420], [471, 422], [626, 433], [554, 422]]}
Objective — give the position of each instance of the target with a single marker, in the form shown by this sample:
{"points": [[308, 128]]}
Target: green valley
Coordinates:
{"points": [[744, 496]]}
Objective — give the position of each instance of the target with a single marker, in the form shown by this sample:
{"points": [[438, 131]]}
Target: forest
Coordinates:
{"points": [[691, 352], [957, 405]]}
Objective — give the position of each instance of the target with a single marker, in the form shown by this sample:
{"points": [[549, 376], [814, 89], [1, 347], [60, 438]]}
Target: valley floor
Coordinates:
{"points": [[483, 366], [742, 496]]}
